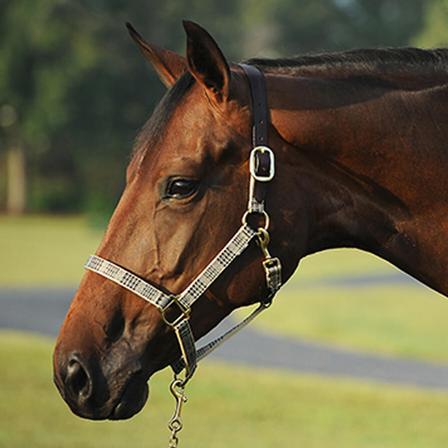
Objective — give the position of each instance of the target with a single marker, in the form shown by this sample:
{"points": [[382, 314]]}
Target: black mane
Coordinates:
{"points": [[366, 61]]}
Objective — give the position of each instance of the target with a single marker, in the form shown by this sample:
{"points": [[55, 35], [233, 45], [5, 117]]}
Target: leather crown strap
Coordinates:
{"points": [[176, 309]]}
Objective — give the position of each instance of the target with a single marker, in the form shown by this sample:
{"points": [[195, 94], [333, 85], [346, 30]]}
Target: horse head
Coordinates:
{"points": [[185, 195]]}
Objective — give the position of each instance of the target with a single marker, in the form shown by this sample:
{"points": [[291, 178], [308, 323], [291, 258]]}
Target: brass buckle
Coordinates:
{"points": [[184, 312]]}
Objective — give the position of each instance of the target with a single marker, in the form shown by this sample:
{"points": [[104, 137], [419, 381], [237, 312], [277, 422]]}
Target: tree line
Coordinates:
{"points": [[74, 90]]}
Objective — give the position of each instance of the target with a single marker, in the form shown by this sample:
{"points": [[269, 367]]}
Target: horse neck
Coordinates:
{"points": [[371, 162]]}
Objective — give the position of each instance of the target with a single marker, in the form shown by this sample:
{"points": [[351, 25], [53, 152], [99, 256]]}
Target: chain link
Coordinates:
{"points": [[177, 388]]}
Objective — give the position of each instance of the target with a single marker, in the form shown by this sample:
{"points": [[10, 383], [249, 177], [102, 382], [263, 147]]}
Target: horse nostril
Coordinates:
{"points": [[78, 380]]}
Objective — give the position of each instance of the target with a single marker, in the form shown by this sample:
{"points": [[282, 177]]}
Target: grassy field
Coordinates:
{"points": [[401, 320], [404, 320], [28, 246], [227, 407]]}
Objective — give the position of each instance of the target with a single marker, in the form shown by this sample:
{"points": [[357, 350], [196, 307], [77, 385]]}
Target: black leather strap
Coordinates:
{"points": [[260, 126], [260, 110], [187, 346]]}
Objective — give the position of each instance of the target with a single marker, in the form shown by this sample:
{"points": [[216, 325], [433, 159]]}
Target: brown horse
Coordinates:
{"points": [[361, 161]]}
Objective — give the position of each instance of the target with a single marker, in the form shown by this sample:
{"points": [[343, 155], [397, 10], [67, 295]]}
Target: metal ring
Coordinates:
{"points": [[262, 213], [184, 313]]}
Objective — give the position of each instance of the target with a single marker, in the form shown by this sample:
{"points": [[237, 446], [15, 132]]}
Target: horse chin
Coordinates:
{"points": [[131, 402]]}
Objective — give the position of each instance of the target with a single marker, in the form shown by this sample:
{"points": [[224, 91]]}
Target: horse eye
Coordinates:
{"points": [[181, 188]]}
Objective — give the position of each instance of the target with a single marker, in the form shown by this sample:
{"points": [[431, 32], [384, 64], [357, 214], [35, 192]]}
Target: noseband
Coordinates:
{"points": [[176, 309]]}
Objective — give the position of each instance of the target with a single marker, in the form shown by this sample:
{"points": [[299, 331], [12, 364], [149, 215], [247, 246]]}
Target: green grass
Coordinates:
{"points": [[341, 262], [407, 320], [40, 250], [29, 244], [400, 320], [227, 407]]}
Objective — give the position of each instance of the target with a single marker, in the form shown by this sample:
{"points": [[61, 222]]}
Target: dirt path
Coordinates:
{"points": [[42, 310]]}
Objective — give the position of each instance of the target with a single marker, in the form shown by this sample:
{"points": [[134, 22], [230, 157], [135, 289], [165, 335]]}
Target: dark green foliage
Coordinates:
{"points": [[345, 24], [74, 90]]}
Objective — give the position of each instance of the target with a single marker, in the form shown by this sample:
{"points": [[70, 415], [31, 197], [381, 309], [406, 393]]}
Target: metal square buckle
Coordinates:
{"points": [[254, 164], [184, 312]]}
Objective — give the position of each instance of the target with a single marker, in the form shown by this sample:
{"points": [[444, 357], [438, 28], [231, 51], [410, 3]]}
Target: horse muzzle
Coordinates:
{"points": [[94, 395]]}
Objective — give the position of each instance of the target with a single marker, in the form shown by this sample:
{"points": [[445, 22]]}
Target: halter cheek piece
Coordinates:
{"points": [[176, 309]]}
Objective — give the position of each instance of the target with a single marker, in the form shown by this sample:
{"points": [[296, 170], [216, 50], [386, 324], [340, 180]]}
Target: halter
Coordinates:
{"points": [[176, 309]]}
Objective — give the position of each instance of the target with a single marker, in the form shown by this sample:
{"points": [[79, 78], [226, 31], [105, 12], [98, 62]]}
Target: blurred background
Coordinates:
{"points": [[74, 91]]}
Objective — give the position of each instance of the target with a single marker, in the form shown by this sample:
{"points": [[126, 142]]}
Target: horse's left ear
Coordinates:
{"points": [[206, 62], [168, 65]]}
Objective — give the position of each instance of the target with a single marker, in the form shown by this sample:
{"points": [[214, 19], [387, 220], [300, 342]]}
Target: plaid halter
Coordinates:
{"points": [[262, 171]]}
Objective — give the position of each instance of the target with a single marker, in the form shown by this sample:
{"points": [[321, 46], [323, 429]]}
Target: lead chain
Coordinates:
{"points": [[175, 425]]}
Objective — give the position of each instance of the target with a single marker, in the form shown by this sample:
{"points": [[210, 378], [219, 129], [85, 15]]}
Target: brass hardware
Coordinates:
{"points": [[263, 241], [184, 313], [177, 389]]}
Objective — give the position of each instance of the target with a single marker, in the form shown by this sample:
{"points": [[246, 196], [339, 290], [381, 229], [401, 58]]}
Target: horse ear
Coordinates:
{"points": [[168, 65], [206, 61]]}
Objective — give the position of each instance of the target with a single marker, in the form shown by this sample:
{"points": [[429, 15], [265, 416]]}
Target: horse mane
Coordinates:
{"points": [[389, 63], [385, 61]]}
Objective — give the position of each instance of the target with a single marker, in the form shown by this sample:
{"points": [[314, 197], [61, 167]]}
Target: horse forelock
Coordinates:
{"points": [[153, 129]]}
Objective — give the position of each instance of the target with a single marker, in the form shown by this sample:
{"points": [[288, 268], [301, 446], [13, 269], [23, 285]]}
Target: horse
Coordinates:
{"points": [[359, 139]]}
